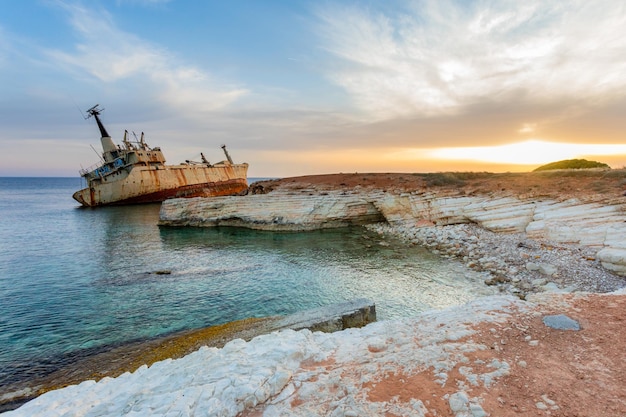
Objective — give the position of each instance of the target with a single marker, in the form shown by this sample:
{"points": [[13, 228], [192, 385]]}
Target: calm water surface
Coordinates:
{"points": [[73, 280]]}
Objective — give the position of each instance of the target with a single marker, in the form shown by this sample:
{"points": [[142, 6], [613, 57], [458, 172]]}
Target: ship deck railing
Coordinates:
{"points": [[89, 169]]}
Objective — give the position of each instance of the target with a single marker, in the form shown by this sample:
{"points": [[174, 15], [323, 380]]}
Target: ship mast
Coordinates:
{"points": [[227, 154], [108, 147], [95, 112]]}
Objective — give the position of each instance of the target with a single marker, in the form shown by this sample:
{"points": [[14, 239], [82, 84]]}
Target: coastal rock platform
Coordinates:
{"points": [[492, 357], [585, 210], [113, 362]]}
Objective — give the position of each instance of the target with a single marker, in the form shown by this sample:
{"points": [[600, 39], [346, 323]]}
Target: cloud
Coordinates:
{"points": [[114, 56], [144, 2], [442, 57]]}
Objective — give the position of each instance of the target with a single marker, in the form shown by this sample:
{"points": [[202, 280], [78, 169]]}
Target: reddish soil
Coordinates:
{"points": [[582, 372], [592, 184], [560, 373]]}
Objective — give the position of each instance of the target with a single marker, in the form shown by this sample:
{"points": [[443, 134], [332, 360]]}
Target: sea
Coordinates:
{"points": [[77, 280]]}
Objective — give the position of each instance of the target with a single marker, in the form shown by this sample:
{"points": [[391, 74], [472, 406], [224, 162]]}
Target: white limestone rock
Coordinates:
{"points": [[283, 212], [599, 225], [613, 259]]}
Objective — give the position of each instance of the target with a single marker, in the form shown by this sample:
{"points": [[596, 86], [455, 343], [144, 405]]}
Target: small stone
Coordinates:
{"points": [[547, 400], [458, 402], [533, 343], [531, 266], [538, 282], [477, 411], [547, 269], [522, 364], [551, 287], [541, 405], [561, 322]]}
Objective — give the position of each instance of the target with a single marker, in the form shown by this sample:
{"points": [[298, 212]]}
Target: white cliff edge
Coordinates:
{"points": [[597, 225]]}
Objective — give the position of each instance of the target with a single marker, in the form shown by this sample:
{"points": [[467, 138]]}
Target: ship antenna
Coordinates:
{"points": [[99, 156], [95, 112]]}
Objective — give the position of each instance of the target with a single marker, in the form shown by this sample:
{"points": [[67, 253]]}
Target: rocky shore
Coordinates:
{"points": [[517, 264], [561, 231], [550, 345], [556, 355]]}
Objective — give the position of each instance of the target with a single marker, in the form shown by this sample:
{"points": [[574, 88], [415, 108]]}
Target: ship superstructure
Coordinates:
{"points": [[133, 173]]}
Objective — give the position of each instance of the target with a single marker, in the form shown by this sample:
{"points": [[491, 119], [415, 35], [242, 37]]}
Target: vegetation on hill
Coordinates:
{"points": [[572, 164]]}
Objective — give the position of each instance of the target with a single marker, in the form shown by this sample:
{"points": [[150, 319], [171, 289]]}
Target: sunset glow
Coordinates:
{"points": [[529, 152], [306, 87]]}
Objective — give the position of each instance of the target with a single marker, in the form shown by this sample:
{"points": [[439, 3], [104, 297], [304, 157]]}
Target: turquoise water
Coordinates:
{"points": [[76, 280]]}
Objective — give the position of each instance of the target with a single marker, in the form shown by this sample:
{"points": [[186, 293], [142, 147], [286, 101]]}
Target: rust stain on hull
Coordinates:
{"points": [[188, 191]]}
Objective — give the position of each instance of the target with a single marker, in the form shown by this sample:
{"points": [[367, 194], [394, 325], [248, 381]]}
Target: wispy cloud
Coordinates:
{"points": [[440, 57], [144, 2], [112, 55]]}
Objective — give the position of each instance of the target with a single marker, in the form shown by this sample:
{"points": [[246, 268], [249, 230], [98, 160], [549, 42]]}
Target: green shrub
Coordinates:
{"points": [[572, 164]]}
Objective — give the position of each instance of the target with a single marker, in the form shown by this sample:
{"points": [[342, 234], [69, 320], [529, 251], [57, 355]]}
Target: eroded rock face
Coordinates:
{"points": [[280, 212], [601, 225]]}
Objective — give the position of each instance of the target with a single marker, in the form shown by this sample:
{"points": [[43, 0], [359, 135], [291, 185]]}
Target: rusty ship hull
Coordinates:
{"points": [[134, 173], [148, 185]]}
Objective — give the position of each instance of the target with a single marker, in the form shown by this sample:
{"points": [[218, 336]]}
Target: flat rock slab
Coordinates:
{"points": [[331, 318], [561, 322]]}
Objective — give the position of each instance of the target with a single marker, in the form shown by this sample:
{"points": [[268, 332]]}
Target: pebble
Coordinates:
{"points": [[530, 265]]}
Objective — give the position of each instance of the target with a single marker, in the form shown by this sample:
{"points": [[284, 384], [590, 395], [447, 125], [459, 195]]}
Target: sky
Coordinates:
{"points": [[297, 87]]}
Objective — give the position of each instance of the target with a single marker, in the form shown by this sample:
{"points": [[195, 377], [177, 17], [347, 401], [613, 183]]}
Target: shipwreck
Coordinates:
{"points": [[134, 173]]}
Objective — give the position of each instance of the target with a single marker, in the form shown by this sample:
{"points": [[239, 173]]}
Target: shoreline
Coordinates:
{"points": [[128, 357], [504, 256], [493, 356], [519, 265], [554, 231]]}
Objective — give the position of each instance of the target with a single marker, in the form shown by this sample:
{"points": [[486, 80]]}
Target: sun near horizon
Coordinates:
{"points": [[522, 156]]}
